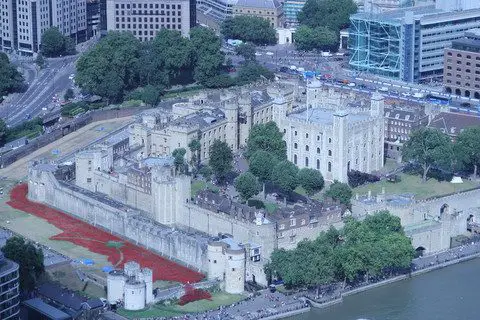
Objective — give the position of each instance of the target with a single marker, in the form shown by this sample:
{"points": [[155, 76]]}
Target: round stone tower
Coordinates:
{"points": [[216, 260], [235, 270]]}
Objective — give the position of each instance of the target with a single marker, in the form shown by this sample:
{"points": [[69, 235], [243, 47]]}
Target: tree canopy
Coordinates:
{"points": [[362, 249], [311, 180], [29, 259], [428, 148], [252, 71], [10, 79], [261, 164], [267, 137], [340, 191], [333, 14], [467, 148], [249, 29], [284, 175], [220, 159], [179, 159], [247, 51], [247, 185], [55, 44], [319, 38]]}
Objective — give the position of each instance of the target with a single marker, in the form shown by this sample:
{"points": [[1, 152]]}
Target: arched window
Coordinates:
{"points": [[306, 162], [318, 150], [294, 159], [329, 167], [295, 145], [330, 153], [318, 164], [307, 148]]}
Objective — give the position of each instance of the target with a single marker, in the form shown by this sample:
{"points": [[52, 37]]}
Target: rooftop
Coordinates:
{"points": [[46, 309], [325, 116], [453, 123], [267, 4]]}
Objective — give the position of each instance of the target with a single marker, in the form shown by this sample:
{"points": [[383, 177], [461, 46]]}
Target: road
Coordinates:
{"points": [[50, 81], [43, 86]]}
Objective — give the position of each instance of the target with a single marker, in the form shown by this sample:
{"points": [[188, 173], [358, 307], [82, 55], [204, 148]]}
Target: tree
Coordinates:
{"points": [[284, 175], [195, 147], [320, 38], [249, 29], [208, 58], [29, 259], [40, 61], [55, 44], [251, 72], [333, 14], [220, 159], [311, 180], [247, 51], [267, 137], [69, 94], [151, 94], [247, 185], [428, 148], [179, 159], [10, 79], [111, 67], [3, 132], [467, 148], [261, 164], [340, 191]]}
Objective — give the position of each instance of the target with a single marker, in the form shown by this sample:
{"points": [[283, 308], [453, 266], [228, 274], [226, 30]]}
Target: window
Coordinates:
{"points": [[307, 148], [89, 180], [306, 161], [329, 167], [329, 153], [295, 145], [318, 164], [318, 138], [294, 159], [306, 135], [329, 140], [295, 133], [282, 226], [293, 222], [318, 150]]}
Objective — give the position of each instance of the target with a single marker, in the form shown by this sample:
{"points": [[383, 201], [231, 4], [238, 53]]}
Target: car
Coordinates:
{"points": [[71, 77], [351, 84]]}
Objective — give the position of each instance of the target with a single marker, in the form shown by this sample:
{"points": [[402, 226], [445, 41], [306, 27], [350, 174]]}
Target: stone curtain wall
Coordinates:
{"points": [[189, 249]]}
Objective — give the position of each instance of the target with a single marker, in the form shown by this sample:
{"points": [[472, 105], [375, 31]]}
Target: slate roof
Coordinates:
{"points": [[403, 114], [261, 4], [46, 309], [453, 123], [67, 298]]}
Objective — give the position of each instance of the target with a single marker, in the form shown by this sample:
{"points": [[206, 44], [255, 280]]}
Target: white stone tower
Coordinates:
{"points": [[216, 260], [230, 108], [235, 270]]}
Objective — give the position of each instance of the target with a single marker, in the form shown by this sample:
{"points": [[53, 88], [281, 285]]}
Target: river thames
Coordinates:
{"points": [[450, 293]]}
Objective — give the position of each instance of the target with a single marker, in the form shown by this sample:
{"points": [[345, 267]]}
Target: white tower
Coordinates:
{"points": [[235, 270], [148, 278], [115, 284], [216, 260]]}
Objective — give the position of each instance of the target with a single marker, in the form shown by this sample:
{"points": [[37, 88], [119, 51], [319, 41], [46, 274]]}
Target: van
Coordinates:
{"points": [[383, 89]]}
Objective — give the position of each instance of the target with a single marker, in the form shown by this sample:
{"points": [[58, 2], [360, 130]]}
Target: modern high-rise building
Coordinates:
{"points": [[408, 44], [22, 22], [144, 18], [291, 8], [9, 292]]}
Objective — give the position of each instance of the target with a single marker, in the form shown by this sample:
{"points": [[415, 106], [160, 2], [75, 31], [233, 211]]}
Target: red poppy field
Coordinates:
{"points": [[98, 241]]}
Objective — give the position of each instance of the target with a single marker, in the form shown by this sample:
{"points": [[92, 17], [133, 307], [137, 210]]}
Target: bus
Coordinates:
{"points": [[436, 99]]}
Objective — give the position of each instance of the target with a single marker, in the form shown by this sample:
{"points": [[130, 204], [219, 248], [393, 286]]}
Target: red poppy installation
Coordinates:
{"points": [[192, 294], [95, 240]]}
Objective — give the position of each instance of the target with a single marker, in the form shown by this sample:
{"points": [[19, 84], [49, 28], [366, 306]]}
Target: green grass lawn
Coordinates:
{"points": [[414, 185], [199, 185], [218, 299]]}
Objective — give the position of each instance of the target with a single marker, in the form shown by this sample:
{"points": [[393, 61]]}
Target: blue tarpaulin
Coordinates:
{"points": [[88, 262], [107, 269]]}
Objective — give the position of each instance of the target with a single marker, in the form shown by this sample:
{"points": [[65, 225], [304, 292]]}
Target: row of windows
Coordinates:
{"points": [[151, 20], [157, 27], [146, 6], [459, 83], [156, 12], [459, 55]]}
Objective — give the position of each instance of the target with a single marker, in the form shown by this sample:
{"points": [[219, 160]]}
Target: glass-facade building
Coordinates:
{"points": [[407, 44], [290, 10], [9, 290]]}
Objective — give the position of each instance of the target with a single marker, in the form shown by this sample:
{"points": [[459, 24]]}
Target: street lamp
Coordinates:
{"points": [[455, 181]]}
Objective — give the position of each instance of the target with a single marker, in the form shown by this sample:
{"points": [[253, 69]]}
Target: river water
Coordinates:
{"points": [[451, 293]]}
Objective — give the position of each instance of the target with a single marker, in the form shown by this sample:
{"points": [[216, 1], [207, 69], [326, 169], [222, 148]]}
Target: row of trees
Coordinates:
{"points": [[55, 44], [361, 250], [320, 23], [267, 157], [10, 79], [249, 29], [431, 148]]}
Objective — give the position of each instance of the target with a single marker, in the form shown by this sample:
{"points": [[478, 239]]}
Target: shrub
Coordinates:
{"points": [[256, 203], [357, 178]]}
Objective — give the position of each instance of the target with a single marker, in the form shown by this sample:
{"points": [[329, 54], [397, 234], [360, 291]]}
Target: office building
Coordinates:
{"points": [[93, 17], [145, 18], [461, 73], [408, 44], [291, 8], [9, 292], [270, 10], [23, 22]]}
